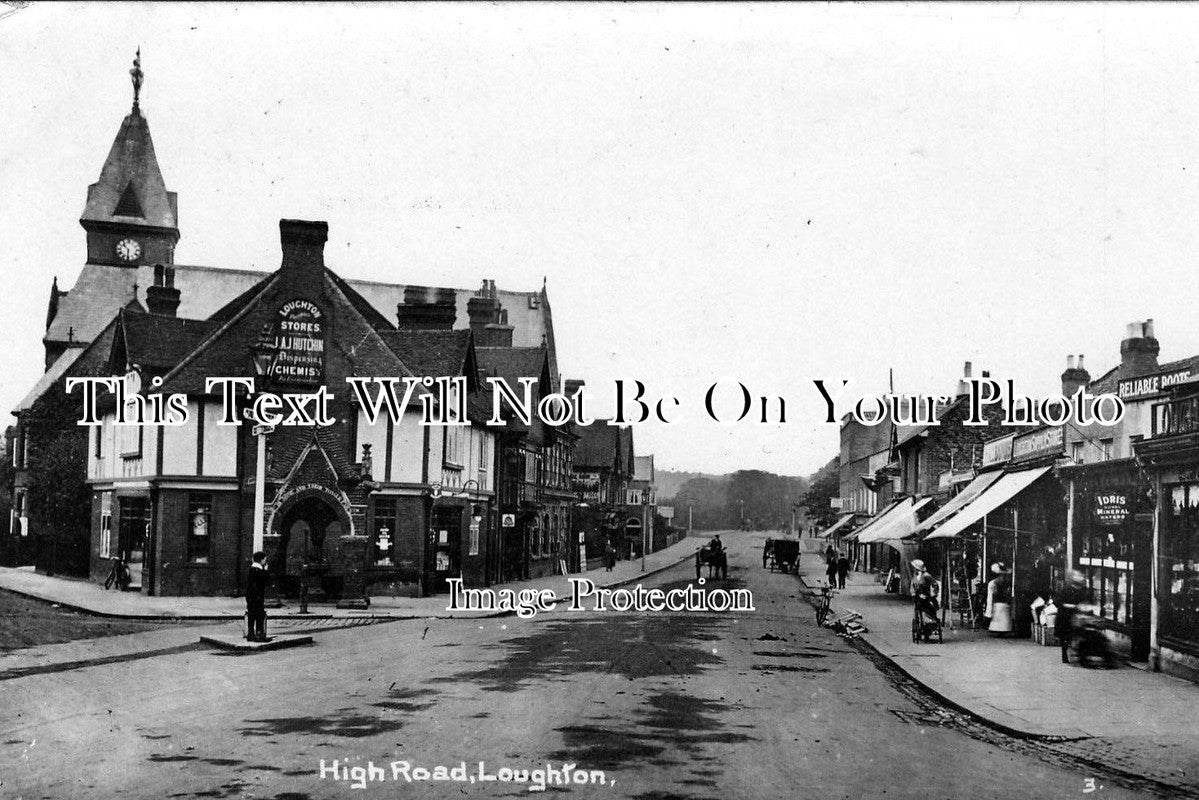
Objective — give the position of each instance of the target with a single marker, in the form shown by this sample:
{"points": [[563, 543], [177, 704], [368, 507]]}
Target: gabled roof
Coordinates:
{"points": [[513, 363], [434, 353], [224, 351], [604, 446], [156, 342], [130, 188]]}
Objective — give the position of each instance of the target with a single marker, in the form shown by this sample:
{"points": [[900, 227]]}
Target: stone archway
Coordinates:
{"points": [[308, 528]]}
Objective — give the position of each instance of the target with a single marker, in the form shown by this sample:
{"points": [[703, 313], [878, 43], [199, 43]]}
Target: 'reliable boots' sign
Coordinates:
{"points": [[300, 339]]}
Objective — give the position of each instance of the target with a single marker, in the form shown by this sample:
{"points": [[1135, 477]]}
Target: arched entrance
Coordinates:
{"points": [[309, 529], [632, 533]]}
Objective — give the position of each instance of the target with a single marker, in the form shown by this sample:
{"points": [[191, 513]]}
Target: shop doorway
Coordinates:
{"points": [[310, 531], [443, 557], [132, 536]]}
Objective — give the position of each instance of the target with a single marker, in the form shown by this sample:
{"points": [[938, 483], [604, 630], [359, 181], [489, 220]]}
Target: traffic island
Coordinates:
{"points": [[238, 643]]}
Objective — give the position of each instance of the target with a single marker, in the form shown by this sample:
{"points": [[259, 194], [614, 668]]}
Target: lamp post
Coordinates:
{"points": [[263, 353]]}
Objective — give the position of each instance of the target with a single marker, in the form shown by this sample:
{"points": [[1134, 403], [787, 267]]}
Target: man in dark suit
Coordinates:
{"points": [[256, 582]]}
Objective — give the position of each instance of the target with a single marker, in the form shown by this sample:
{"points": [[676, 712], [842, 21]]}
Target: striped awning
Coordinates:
{"points": [[837, 526], [1001, 491], [901, 524]]}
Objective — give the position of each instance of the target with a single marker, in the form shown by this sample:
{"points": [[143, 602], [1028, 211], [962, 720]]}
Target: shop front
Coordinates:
{"points": [[1111, 542], [1170, 456]]}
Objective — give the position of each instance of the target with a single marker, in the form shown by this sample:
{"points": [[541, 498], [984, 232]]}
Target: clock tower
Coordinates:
{"points": [[130, 217]]}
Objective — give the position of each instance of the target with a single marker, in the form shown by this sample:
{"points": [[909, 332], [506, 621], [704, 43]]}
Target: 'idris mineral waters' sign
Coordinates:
{"points": [[1149, 385], [1111, 508], [300, 339]]}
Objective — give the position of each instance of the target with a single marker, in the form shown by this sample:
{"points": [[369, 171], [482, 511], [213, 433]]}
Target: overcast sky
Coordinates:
{"points": [[761, 193]]}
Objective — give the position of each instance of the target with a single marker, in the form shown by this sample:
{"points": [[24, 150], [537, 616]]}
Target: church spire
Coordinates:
{"points": [[137, 75]]}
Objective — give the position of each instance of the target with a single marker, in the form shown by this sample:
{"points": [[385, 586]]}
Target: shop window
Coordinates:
{"points": [[1105, 449], [1180, 583], [385, 531], [199, 527], [474, 535], [1076, 451], [131, 434], [454, 457], [20, 515], [106, 525]]}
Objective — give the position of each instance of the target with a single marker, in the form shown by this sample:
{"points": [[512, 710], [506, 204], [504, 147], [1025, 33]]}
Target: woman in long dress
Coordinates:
{"points": [[999, 599]]}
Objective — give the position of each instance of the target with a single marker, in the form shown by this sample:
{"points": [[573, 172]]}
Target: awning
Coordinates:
{"points": [[1004, 489], [878, 519], [836, 526], [901, 524], [959, 500]]}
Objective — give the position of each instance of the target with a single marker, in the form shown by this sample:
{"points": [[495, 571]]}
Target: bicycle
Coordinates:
{"points": [[824, 606]]}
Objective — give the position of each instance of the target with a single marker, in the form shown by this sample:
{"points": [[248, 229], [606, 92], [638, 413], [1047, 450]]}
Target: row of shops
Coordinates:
{"points": [[1113, 509]]}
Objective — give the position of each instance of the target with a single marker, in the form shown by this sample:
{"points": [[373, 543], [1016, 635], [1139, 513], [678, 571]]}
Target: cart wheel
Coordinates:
{"points": [[940, 634]]}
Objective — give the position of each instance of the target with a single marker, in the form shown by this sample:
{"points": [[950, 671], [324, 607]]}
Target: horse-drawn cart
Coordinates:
{"points": [[717, 560], [781, 553]]}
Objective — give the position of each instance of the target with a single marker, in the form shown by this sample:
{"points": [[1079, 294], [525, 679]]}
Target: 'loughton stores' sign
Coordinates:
{"points": [[1111, 508], [300, 339]]}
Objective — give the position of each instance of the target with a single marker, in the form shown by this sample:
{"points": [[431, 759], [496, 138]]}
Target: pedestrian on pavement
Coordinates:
{"points": [[999, 600], [256, 582], [842, 570], [830, 570], [609, 556], [1067, 607], [829, 554], [925, 590]]}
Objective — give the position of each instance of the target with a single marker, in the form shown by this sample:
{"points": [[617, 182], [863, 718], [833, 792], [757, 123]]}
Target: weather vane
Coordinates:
{"points": [[137, 75]]}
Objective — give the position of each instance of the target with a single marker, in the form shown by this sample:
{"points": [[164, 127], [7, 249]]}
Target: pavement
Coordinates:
{"points": [[92, 598], [1017, 685], [222, 618]]}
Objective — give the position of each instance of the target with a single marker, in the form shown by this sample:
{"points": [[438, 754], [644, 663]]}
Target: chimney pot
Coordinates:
{"points": [[968, 367], [1149, 329], [1069, 362], [1080, 358]]}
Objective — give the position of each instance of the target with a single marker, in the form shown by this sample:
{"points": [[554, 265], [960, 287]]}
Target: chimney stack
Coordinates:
{"points": [[163, 298], [303, 246], [427, 309], [483, 310], [963, 386], [498, 333], [1138, 351], [1075, 377]]}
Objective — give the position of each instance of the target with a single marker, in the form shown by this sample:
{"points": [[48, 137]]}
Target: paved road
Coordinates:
{"points": [[669, 706]]}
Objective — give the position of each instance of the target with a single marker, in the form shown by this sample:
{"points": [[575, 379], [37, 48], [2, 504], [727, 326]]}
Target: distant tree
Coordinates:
{"points": [[824, 485]]}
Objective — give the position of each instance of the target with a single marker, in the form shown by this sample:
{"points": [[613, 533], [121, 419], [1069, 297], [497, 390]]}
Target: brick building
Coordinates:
{"points": [[385, 508]]}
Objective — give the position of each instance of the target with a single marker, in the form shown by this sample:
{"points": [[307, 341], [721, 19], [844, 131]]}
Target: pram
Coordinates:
{"points": [[926, 620]]}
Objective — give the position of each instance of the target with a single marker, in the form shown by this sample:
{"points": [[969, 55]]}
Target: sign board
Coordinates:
{"points": [[1149, 385], [587, 484], [508, 520], [263, 430], [998, 451], [1043, 441], [300, 344], [1111, 508], [836, 502]]}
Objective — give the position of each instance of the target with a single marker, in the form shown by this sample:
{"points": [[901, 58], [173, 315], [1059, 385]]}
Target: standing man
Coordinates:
{"points": [[256, 582], [842, 570]]}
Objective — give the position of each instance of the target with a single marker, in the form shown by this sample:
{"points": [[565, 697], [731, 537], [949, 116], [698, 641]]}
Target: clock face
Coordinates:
{"points": [[128, 249]]}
